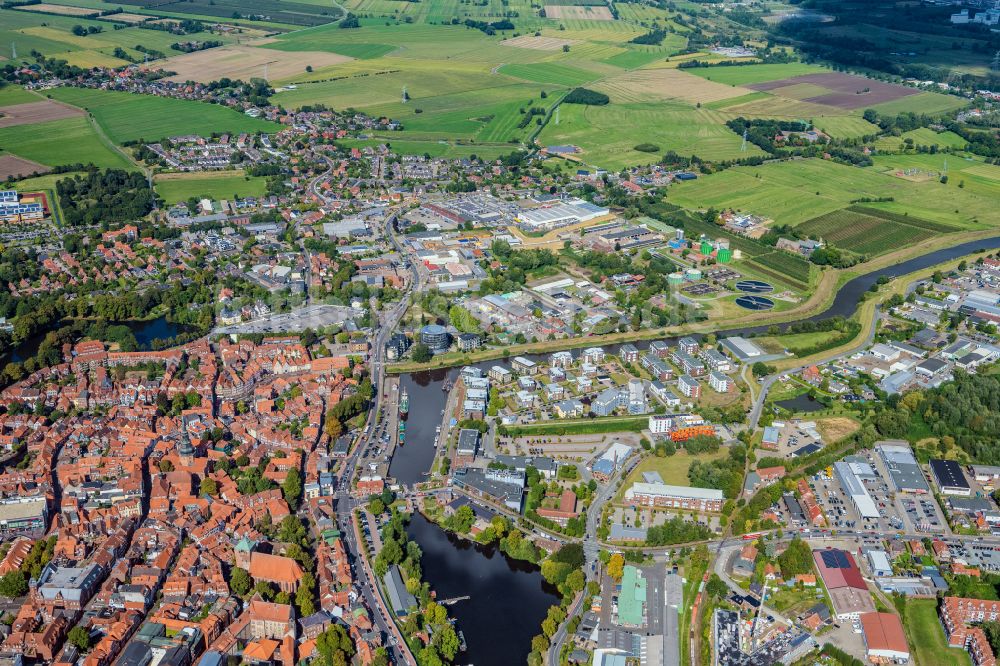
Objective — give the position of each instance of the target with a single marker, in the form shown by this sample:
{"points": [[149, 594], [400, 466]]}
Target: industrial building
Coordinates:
{"points": [[850, 474], [884, 637], [676, 497], [950, 478], [559, 214], [904, 472], [842, 577]]}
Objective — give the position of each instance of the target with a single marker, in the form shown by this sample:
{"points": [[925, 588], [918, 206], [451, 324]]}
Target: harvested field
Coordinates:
{"points": [[845, 91], [245, 62], [12, 165], [539, 43], [65, 10], [36, 112], [578, 13], [650, 85], [130, 18]]}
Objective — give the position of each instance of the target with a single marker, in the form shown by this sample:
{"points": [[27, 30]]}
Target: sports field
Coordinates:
{"points": [[125, 117], [174, 187]]}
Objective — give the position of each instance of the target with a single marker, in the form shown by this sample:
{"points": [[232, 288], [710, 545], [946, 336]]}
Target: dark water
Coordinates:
{"points": [[145, 332], [801, 403], [509, 598]]}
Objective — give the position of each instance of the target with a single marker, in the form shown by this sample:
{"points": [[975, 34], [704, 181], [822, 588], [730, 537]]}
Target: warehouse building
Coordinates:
{"points": [[950, 478], [884, 638], [842, 577], [905, 473], [849, 476]]}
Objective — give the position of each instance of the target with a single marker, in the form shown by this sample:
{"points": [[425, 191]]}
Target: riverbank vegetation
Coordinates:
{"points": [[430, 621]]}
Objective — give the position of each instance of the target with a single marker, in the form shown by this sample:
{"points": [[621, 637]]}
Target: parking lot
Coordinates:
{"points": [[314, 316]]}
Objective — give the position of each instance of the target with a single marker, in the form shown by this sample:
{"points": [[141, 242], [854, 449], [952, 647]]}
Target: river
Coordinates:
{"points": [[411, 462], [508, 598]]}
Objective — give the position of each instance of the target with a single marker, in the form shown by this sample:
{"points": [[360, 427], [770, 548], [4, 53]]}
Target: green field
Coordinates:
{"points": [[549, 72], [52, 36], [926, 638], [213, 185], [361, 51], [609, 134], [924, 102], [744, 74], [58, 142], [845, 127], [870, 231], [11, 95], [126, 117], [796, 191], [923, 136]]}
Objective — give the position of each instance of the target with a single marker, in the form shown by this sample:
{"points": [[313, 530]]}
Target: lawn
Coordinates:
{"points": [[672, 469], [925, 635], [174, 187], [126, 117], [59, 142]]}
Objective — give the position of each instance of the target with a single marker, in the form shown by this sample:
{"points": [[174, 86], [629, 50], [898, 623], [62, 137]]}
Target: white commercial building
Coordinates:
{"points": [[848, 473]]}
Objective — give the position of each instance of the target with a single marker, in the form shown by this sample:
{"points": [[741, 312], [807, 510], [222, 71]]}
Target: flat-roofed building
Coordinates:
{"points": [[23, 515], [904, 472], [950, 478], [847, 474], [675, 497]]}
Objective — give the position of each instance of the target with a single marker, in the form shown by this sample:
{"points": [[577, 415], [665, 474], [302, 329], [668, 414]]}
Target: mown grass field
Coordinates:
{"points": [[125, 117], [744, 74], [174, 187], [608, 134], [549, 72], [59, 142], [11, 95], [923, 136]]}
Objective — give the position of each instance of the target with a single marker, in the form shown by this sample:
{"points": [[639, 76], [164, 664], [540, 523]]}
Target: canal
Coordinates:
{"points": [[508, 598], [411, 462]]}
